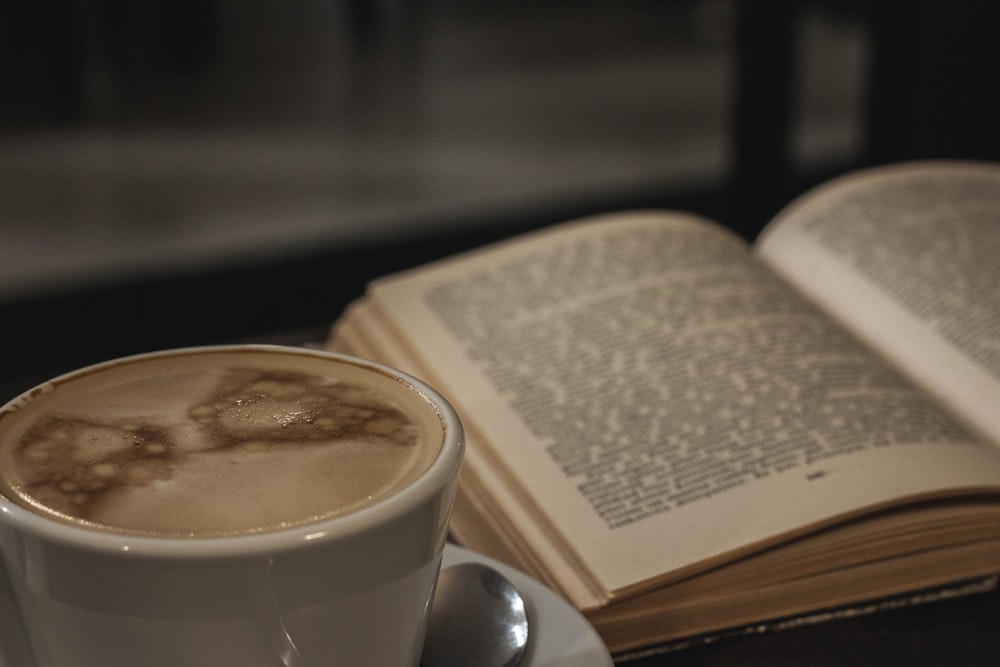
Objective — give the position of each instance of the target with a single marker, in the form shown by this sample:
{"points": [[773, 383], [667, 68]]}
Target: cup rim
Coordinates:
{"points": [[444, 467]]}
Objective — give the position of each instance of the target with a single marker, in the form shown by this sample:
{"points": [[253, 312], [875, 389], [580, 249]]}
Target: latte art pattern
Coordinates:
{"points": [[75, 463], [296, 408], [176, 449]]}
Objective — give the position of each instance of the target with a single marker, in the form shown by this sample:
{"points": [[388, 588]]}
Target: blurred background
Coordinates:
{"points": [[178, 172]]}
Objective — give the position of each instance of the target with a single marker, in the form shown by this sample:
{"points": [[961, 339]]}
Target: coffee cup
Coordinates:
{"points": [[232, 505]]}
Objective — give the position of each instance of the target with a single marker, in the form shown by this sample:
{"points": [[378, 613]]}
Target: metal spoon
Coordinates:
{"points": [[477, 618]]}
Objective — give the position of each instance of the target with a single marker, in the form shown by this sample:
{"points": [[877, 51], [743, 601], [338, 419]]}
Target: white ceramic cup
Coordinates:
{"points": [[352, 590]]}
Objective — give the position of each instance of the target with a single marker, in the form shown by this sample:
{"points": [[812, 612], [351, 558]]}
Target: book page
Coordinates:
{"points": [[909, 257], [657, 400], [365, 331]]}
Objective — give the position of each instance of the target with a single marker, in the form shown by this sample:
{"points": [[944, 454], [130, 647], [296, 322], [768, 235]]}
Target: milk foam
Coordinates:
{"points": [[220, 443]]}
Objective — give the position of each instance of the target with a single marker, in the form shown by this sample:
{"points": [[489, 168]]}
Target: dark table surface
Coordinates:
{"points": [[957, 631]]}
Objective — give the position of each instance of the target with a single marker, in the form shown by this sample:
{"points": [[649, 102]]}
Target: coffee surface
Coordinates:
{"points": [[218, 443]]}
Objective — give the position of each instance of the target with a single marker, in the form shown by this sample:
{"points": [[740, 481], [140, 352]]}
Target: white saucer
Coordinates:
{"points": [[559, 637]]}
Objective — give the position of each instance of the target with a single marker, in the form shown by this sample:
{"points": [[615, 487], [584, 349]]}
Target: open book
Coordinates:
{"points": [[682, 433]]}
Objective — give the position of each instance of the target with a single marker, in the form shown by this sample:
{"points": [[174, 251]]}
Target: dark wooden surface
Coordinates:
{"points": [[960, 631]]}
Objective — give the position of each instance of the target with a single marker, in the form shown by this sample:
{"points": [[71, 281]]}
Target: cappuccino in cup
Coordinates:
{"points": [[213, 444], [250, 505]]}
